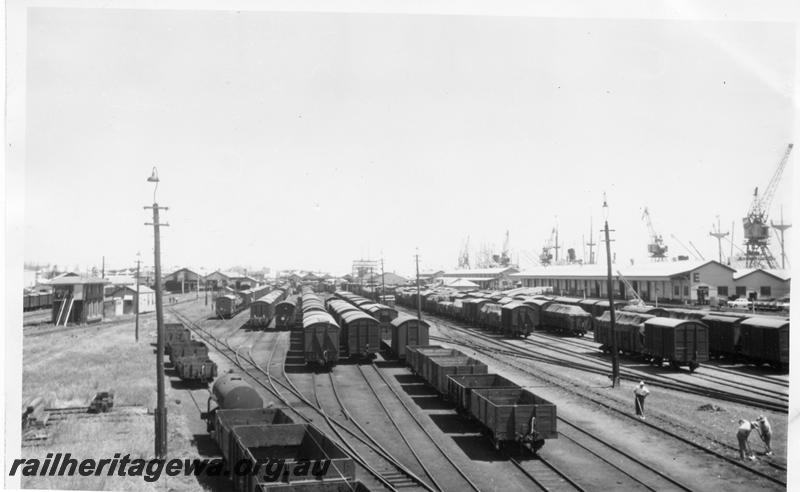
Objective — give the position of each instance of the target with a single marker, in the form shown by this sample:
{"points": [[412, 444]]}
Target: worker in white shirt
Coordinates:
{"points": [[640, 394], [765, 431], [743, 435]]}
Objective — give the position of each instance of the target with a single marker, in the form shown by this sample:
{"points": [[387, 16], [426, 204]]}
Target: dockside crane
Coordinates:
{"points": [[546, 257], [504, 258], [756, 230], [656, 248]]}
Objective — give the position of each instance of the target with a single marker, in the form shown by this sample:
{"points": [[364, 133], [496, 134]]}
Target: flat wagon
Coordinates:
{"points": [[460, 386], [407, 330], [681, 342], [514, 415]]}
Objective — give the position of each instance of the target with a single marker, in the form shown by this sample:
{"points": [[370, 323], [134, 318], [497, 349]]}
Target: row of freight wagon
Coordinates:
{"points": [[264, 449], [32, 301], [229, 305], [733, 336], [188, 357], [681, 337], [337, 329], [507, 413]]}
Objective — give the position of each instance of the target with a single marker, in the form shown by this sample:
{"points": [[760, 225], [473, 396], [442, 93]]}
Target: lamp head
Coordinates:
{"points": [[154, 176]]}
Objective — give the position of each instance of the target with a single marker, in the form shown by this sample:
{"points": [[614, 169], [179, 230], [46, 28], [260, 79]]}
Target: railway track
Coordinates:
{"points": [[469, 483], [394, 473], [546, 476], [640, 472], [769, 400], [585, 395], [596, 366]]}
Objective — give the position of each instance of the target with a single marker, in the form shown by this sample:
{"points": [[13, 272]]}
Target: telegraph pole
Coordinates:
{"points": [[591, 242], [782, 228], [161, 410], [719, 235], [138, 266], [419, 301], [610, 287], [383, 284]]}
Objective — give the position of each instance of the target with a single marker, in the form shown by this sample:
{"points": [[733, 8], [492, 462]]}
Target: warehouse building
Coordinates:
{"points": [[499, 278], [183, 280], [683, 282], [761, 283]]}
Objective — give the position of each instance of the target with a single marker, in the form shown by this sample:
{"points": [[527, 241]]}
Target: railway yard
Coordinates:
{"points": [[378, 411]]}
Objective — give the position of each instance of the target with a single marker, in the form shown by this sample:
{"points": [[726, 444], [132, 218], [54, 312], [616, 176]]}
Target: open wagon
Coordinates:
{"points": [[514, 415]]}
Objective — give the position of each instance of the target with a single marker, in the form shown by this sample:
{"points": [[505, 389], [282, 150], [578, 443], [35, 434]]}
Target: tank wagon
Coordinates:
{"points": [[507, 413], [680, 342], [285, 313], [262, 310]]}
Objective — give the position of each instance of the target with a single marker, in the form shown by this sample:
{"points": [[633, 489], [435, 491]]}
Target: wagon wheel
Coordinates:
{"points": [[674, 365], [693, 365]]}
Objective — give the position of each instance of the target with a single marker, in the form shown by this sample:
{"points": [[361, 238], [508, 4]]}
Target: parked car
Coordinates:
{"points": [[740, 303]]}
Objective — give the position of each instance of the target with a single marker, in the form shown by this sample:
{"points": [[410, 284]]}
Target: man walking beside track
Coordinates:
{"points": [[743, 435], [765, 431], [640, 394]]}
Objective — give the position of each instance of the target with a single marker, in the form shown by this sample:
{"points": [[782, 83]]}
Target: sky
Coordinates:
{"points": [[308, 140]]}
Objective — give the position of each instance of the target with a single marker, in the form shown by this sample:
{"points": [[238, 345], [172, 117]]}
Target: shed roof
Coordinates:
{"points": [[78, 280], [779, 274], [655, 269], [479, 271]]}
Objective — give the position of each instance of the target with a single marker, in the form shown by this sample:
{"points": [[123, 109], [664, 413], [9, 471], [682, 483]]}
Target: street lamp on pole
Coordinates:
{"points": [[161, 410], [610, 288]]}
